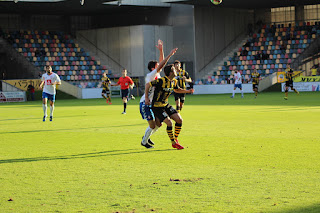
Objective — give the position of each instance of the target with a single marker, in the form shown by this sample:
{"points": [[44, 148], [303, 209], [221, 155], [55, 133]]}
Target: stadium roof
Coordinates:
{"points": [[251, 4], [92, 7]]}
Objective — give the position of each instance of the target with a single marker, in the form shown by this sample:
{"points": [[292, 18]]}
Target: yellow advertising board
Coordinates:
{"points": [[307, 79], [282, 76], [24, 83]]}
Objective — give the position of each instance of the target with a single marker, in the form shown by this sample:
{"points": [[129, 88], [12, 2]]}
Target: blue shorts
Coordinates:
{"points": [[49, 96], [238, 85], [146, 112]]}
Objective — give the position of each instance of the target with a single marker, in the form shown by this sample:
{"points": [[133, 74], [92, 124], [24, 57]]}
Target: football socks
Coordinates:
{"points": [[44, 106], [177, 130], [170, 134]]}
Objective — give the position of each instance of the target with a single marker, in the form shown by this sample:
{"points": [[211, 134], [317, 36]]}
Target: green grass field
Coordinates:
{"points": [[241, 155]]}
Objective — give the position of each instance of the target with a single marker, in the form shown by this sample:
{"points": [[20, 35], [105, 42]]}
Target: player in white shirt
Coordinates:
{"points": [[237, 83], [49, 80], [145, 110]]}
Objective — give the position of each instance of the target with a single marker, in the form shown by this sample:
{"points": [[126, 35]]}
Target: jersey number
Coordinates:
{"points": [[49, 82]]}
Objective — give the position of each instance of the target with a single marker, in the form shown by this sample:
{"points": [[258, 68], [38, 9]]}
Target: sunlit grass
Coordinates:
{"points": [[241, 155]]}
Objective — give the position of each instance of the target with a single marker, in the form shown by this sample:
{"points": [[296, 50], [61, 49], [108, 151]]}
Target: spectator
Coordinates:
{"points": [[37, 53], [314, 70], [258, 56], [247, 44], [283, 48], [265, 56], [3, 71], [244, 52], [42, 53], [291, 35], [31, 92], [209, 81]]}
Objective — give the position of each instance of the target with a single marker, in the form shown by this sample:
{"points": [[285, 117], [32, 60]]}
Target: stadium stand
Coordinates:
{"points": [[59, 50], [268, 51]]}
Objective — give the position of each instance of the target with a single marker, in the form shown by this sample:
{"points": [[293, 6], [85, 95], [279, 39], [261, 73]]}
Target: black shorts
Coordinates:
{"points": [[124, 93], [105, 91], [163, 112], [289, 83], [254, 86], [181, 96]]}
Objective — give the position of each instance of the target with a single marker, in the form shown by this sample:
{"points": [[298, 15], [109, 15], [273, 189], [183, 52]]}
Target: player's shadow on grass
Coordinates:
{"points": [[40, 118], [74, 102], [85, 155], [72, 129], [314, 208]]}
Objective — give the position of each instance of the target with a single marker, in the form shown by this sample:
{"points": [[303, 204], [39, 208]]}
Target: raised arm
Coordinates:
{"points": [[160, 48], [163, 62], [183, 90]]}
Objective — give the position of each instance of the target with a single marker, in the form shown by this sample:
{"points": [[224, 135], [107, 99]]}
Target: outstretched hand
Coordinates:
{"points": [[173, 51], [160, 45]]}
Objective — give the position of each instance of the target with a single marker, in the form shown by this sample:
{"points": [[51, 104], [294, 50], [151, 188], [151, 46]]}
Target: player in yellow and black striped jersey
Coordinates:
{"points": [[106, 90], [289, 81], [255, 78], [182, 77], [160, 105]]}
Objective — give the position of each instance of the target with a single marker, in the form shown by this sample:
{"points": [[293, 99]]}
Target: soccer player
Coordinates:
{"points": [[237, 83], [106, 91], [289, 82], [49, 80], [160, 105], [145, 110], [182, 77], [255, 78], [125, 82]]}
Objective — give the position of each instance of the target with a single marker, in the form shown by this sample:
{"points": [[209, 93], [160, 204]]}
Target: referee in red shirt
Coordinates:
{"points": [[125, 82]]}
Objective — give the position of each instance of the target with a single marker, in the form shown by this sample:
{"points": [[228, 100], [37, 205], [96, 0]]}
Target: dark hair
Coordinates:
{"points": [[47, 66], [168, 69], [152, 64], [177, 62]]}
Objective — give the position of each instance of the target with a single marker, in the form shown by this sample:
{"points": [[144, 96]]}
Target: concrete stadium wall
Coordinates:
{"points": [[132, 47], [215, 28], [182, 21], [70, 89]]}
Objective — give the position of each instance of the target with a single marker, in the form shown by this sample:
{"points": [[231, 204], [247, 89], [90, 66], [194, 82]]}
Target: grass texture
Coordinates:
{"points": [[241, 155]]}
